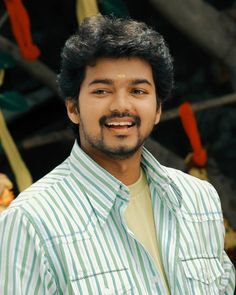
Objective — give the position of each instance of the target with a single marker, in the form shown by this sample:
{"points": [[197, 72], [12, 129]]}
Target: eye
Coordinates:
{"points": [[101, 92], [138, 91]]}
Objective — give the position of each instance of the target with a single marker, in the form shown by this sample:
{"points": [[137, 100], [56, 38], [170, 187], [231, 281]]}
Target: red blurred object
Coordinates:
{"points": [[190, 126], [20, 23]]}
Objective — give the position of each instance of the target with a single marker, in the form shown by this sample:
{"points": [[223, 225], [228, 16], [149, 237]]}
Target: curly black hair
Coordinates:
{"points": [[106, 36]]}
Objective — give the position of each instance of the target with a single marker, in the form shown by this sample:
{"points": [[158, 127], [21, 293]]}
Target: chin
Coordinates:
{"points": [[122, 152]]}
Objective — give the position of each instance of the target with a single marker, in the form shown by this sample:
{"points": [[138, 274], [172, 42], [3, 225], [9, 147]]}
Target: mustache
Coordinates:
{"points": [[104, 118]]}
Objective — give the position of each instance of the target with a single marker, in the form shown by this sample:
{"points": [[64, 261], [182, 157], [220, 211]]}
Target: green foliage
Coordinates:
{"points": [[114, 7], [13, 101], [6, 61]]}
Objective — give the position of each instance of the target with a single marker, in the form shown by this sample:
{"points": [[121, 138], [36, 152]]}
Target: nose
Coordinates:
{"points": [[121, 102]]}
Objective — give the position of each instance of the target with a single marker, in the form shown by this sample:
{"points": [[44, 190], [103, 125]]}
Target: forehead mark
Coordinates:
{"points": [[121, 76]]}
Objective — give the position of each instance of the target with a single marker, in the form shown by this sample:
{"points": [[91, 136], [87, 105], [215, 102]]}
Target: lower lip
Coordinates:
{"points": [[121, 130]]}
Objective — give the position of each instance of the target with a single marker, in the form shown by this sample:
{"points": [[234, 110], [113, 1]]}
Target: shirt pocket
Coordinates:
{"points": [[203, 275], [86, 273], [109, 282], [201, 234]]}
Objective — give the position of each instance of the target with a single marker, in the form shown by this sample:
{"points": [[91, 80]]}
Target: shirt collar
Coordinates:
{"points": [[102, 188], [159, 176]]}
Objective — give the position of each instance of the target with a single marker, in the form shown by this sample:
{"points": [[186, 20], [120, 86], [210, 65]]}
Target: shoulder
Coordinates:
{"points": [[197, 195], [38, 204], [40, 188], [56, 205]]}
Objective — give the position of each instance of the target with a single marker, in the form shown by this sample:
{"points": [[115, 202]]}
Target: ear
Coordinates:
{"points": [[72, 111], [158, 114]]}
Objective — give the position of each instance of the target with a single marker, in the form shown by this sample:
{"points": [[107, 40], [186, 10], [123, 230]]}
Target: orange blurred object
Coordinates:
{"points": [[6, 197], [6, 193]]}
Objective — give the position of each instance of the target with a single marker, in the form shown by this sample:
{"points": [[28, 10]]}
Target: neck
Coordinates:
{"points": [[126, 170]]}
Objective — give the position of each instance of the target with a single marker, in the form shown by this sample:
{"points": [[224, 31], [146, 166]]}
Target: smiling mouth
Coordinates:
{"points": [[120, 125], [120, 121]]}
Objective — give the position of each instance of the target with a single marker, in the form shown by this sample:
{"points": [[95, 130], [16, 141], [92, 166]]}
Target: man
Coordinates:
{"points": [[111, 219]]}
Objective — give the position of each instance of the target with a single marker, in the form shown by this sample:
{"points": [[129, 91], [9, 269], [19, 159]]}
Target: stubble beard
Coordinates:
{"points": [[120, 152]]}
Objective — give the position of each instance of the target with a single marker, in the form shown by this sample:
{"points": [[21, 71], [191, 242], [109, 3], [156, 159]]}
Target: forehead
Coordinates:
{"points": [[119, 68]]}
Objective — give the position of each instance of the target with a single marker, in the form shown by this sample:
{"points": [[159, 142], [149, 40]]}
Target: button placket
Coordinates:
{"points": [[107, 291]]}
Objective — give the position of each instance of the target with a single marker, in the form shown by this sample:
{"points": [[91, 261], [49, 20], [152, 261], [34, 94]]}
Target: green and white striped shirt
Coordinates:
{"points": [[66, 234]]}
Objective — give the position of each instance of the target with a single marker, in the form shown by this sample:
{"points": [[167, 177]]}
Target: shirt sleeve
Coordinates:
{"points": [[23, 266], [227, 281], [229, 276]]}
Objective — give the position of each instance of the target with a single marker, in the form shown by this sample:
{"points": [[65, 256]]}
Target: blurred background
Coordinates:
{"points": [[198, 126]]}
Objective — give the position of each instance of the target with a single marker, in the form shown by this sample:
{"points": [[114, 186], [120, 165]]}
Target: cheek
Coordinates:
{"points": [[149, 113], [89, 117], [91, 105]]}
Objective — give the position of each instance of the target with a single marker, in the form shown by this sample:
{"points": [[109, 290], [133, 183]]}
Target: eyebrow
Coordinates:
{"points": [[102, 81], [140, 81], [111, 82]]}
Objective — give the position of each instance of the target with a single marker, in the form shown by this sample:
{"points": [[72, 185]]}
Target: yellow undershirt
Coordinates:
{"points": [[139, 219]]}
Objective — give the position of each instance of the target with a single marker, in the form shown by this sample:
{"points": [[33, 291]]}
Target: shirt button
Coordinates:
{"points": [[208, 275], [107, 291], [155, 279]]}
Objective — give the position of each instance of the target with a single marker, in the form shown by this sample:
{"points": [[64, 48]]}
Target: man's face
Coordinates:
{"points": [[117, 107]]}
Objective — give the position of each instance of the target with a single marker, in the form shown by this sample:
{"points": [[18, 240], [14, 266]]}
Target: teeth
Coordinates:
{"points": [[119, 124]]}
